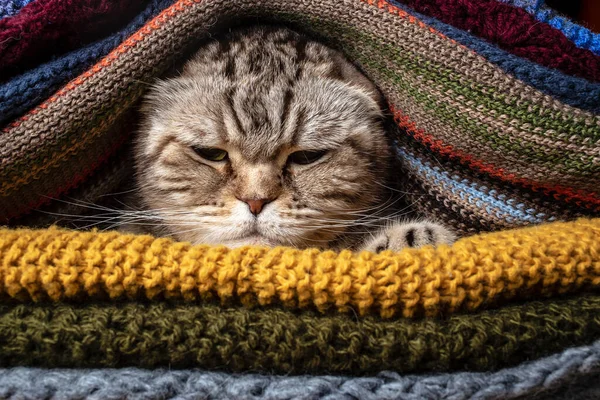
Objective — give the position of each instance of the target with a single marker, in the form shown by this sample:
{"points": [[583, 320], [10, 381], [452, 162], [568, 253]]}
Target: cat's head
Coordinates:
{"points": [[265, 138]]}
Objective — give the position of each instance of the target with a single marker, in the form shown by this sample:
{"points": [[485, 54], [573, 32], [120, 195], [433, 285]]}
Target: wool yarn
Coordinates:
{"points": [[547, 80], [279, 341], [562, 167], [441, 179], [515, 30], [571, 374], [56, 265], [27, 90], [47, 22], [11, 7], [46, 28], [24, 91], [514, 144], [578, 34]]}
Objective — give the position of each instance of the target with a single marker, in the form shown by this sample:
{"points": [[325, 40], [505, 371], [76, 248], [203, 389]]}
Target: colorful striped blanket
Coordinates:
{"points": [[497, 129]]}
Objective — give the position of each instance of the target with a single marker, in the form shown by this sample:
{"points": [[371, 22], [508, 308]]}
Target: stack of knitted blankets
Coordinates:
{"points": [[497, 105]]}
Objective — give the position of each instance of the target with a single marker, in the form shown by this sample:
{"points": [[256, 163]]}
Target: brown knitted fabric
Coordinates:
{"points": [[462, 108]]}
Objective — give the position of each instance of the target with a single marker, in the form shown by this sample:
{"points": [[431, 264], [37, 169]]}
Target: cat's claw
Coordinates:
{"points": [[400, 235]]}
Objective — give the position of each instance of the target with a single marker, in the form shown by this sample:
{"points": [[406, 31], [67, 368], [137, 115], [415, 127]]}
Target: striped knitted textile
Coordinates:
{"points": [[514, 29], [457, 112], [549, 81], [275, 340], [570, 375], [46, 28], [580, 35], [27, 90], [487, 141]]}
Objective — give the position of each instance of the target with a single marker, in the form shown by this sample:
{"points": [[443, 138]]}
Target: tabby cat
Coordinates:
{"points": [[270, 138]]}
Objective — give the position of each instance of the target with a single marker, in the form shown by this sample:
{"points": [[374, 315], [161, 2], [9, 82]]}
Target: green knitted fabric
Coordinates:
{"points": [[274, 340]]}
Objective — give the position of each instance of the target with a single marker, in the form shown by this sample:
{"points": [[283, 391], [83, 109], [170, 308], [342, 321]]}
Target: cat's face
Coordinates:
{"points": [[262, 142]]}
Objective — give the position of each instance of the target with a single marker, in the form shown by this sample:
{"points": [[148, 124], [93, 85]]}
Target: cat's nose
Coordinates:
{"points": [[256, 205]]}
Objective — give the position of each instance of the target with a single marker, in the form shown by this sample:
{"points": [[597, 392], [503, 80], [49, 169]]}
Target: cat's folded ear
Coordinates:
{"points": [[351, 74]]}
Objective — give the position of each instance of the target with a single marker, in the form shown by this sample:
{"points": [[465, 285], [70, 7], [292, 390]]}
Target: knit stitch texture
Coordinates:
{"points": [[30, 88], [488, 141], [515, 30], [27, 90], [475, 272], [580, 35], [575, 369], [46, 28], [11, 7], [280, 341], [547, 80], [445, 105]]}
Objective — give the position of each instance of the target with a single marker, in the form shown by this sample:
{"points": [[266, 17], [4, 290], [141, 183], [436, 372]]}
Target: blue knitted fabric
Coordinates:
{"points": [[31, 88], [546, 378], [575, 91], [28, 90], [11, 7], [580, 35], [510, 211]]}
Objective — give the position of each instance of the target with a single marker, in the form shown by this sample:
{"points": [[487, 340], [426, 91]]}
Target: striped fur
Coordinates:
{"points": [[303, 159]]}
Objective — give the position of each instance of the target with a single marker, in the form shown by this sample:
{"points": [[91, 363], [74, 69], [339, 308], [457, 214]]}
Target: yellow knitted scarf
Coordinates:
{"points": [[55, 264]]}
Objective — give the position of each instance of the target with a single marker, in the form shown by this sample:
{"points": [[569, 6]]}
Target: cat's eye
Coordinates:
{"points": [[306, 157], [211, 154]]}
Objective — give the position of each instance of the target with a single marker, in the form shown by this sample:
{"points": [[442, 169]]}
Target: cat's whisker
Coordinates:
{"points": [[144, 82], [86, 204], [370, 209], [207, 236], [77, 204], [372, 221], [200, 145], [395, 190], [133, 190], [364, 218], [368, 212], [75, 217], [353, 232]]}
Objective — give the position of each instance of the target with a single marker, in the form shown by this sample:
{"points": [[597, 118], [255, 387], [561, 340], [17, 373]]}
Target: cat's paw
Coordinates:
{"points": [[400, 235]]}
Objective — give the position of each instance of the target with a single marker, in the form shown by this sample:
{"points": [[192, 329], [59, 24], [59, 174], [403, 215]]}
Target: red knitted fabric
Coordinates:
{"points": [[515, 31], [47, 28]]}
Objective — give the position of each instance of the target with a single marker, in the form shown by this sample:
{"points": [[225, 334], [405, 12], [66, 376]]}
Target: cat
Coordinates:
{"points": [[270, 138]]}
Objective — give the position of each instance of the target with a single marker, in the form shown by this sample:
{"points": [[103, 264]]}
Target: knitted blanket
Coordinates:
{"points": [[478, 271], [496, 130], [513, 28], [456, 114], [568, 375], [278, 341], [11, 7], [580, 35]]}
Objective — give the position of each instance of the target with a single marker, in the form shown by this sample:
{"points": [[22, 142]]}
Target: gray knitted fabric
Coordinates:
{"points": [[568, 375]]}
